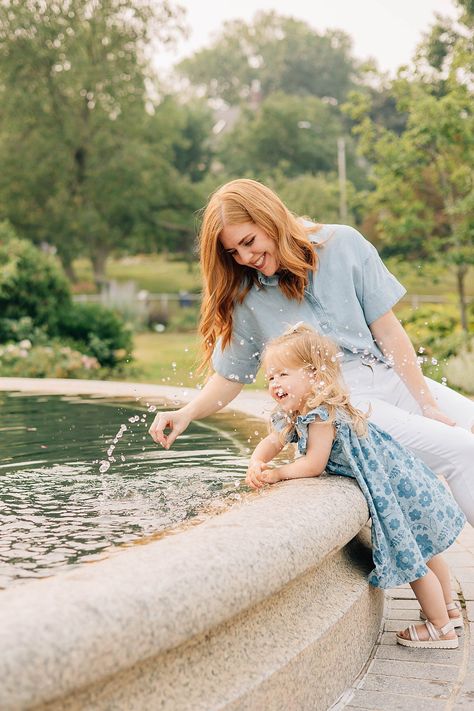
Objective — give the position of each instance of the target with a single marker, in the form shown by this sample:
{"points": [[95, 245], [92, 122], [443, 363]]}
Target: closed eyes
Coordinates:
{"points": [[245, 244]]}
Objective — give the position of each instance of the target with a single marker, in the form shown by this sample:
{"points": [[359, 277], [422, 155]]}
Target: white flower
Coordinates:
{"points": [[25, 343]]}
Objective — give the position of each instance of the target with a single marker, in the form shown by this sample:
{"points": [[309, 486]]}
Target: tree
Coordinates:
{"points": [[313, 196], [288, 135], [424, 185], [87, 156], [273, 54]]}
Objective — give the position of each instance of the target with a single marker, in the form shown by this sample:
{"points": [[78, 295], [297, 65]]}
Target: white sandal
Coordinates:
{"points": [[434, 642], [457, 621]]}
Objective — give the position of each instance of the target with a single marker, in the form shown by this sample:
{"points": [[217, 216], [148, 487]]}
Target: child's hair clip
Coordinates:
{"points": [[293, 329]]}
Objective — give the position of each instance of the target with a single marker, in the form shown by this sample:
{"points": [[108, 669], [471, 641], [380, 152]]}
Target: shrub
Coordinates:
{"points": [[460, 369], [436, 334], [53, 361], [98, 332], [32, 283], [21, 329]]}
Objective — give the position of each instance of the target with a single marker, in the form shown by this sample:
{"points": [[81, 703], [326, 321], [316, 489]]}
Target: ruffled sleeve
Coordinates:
{"points": [[303, 422], [319, 413], [279, 421]]}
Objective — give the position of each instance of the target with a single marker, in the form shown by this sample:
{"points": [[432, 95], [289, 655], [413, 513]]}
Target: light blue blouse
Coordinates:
{"points": [[350, 289]]}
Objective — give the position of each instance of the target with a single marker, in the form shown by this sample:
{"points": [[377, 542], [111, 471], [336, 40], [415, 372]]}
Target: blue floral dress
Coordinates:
{"points": [[414, 516]]}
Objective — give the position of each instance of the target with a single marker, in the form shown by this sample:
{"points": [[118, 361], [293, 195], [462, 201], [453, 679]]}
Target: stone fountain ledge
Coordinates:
{"points": [[264, 606]]}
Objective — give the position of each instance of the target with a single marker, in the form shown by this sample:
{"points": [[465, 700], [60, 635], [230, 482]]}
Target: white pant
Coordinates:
{"points": [[448, 451]]}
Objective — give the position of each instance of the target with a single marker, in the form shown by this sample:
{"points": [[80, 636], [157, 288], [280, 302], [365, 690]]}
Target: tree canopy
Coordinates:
{"points": [[90, 159], [271, 54]]}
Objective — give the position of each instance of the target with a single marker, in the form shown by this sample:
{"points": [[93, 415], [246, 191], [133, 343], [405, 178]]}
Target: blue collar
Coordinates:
{"points": [[268, 280]]}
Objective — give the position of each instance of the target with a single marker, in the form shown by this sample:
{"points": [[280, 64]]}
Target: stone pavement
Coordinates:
{"points": [[400, 679]]}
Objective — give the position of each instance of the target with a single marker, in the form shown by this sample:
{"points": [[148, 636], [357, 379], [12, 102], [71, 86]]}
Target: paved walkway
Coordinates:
{"points": [[401, 679]]}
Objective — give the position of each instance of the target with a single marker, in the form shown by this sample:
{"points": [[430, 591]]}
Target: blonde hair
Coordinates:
{"points": [[225, 281], [302, 347]]}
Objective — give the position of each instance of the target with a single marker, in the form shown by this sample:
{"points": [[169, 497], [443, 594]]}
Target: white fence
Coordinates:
{"points": [[140, 304]]}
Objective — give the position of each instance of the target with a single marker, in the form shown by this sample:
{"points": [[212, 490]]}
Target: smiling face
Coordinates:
{"points": [[250, 246], [289, 387]]}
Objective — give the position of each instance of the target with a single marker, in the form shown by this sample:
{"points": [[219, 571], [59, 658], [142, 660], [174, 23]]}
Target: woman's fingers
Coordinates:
{"points": [[176, 422], [434, 413]]}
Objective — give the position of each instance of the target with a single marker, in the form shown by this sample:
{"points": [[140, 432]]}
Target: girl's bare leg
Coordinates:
{"points": [[440, 568], [429, 593]]}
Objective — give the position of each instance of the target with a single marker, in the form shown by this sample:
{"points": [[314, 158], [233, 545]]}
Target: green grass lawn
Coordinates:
{"points": [[152, 272], [157, 274], [425, 278], [170, 359]]}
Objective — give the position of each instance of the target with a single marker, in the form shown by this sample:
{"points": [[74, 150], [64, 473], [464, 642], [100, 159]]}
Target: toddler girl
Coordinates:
{"points": [[414, 517]]}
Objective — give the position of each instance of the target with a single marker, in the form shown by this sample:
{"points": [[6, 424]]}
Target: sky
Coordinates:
{"points": [[387, 30]]}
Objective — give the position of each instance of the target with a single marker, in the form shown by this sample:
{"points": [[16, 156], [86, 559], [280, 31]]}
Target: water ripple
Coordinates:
{"points": [[56, 510]]}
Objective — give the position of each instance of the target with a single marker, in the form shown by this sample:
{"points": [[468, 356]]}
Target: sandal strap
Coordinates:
{"points": [[447, 628], [413, 634], [453, 606], [432, 631]]}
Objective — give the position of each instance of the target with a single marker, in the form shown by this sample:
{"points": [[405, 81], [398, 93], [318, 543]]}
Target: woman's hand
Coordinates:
{"points": [[175, 421], [434, 413]]}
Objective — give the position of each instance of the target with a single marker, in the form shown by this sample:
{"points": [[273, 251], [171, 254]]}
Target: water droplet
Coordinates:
{"points": [[104, 466]]}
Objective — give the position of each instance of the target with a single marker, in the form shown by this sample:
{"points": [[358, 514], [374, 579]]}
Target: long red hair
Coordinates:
{"points": [[225, 281]]}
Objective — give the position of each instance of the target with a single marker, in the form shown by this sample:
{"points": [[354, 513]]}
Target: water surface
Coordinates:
{"points": [[58, 510]]}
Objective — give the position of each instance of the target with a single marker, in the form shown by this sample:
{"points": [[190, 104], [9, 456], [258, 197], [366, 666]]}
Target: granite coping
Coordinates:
{"points": [[250, 402], [69, 631]]}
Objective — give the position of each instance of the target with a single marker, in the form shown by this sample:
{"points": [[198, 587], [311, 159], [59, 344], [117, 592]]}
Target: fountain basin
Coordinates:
{"points": [[264, 606]]}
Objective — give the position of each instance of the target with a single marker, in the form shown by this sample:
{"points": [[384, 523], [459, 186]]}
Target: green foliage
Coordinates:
{"points": [[31, 283], [273, 54], [98, 332], [88, 158], [36, 307], [314, 196], [424, 196], [436, 334], [460, 369], [290, 134], [52, 361], [13, 330]]}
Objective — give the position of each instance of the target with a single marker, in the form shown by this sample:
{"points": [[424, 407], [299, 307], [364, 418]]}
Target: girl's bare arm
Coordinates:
{"points": [[313, 463]]}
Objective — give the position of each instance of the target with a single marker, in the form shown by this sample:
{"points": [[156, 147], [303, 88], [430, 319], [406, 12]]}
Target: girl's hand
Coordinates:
{"points": [[259, 473], [271, 476], [255, 473], [434, 413]]}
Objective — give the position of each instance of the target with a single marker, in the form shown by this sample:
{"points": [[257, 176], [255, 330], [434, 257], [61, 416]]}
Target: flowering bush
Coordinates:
{"points": [[65, 339], [52, 361]]}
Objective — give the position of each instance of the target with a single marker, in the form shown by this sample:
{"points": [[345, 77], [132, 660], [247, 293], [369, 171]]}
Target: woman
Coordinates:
{"points": [[265, 270]]}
